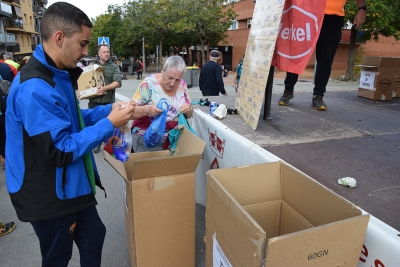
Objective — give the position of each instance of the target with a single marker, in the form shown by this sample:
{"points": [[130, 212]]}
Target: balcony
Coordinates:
{"points": [[15, 1], [11, 24], [34, 9], [5, 10], [37, 28], [40, 11], [7, 38]]}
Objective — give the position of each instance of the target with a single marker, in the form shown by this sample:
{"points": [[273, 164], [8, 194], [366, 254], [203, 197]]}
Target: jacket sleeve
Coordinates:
{"points": [[92, 116], [57, 135], [117, 75], [220, 82]]}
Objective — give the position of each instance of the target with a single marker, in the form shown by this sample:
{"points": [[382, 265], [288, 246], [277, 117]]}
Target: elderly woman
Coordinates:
{"points": [[168, 85]]}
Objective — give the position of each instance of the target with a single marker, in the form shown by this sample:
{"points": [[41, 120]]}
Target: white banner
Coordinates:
{"points": [[225, 148]]}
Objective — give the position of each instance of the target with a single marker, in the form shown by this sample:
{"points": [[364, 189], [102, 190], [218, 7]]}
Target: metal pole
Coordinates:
{"points": [[144, 58], [268, 94]]}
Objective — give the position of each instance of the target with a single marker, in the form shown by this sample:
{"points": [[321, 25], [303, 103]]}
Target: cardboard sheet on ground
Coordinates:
{"points": [[257, 61]]}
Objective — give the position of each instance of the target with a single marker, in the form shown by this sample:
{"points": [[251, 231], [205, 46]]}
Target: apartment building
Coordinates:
{"points": [[20, 26]]}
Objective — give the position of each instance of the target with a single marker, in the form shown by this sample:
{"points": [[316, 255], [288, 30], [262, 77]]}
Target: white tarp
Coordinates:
{"points": [[225, 148]]}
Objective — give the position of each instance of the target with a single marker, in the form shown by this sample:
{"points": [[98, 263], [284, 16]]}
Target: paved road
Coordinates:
{"points": [[356, 137]]}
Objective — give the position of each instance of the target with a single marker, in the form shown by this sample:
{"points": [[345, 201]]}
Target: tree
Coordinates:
{"points": [[382, 20]]}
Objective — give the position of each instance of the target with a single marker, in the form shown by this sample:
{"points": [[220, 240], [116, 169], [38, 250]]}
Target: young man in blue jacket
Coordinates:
{"points": [[50, 171]]}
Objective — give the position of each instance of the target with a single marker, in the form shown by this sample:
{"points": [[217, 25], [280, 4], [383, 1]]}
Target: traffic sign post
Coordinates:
{"points": [[103, 40]]}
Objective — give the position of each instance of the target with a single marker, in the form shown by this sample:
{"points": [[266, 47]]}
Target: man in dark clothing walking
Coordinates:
{"points": [[210, 82]]}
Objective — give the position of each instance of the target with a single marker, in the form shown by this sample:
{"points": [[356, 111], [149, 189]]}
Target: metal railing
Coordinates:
{"points": [[7, 38], [12, 23], [10, 38]]}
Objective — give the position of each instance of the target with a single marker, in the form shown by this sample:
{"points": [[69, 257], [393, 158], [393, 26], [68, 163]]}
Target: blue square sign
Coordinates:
{"points": [[103, 40]]}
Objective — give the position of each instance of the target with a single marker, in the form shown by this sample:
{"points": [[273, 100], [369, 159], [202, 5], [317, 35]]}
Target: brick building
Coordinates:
{"points": [[239, 32]]}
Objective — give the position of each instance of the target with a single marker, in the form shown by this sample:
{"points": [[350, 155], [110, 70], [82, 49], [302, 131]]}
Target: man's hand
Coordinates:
{"points": [[121, 114], [101, 90], [360, 18]]}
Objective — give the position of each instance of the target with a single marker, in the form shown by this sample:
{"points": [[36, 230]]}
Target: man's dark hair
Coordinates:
{"points": [[98, 48], [62, 16]]}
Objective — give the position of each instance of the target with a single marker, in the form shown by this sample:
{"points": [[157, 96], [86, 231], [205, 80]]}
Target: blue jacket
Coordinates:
{"points": [[45, 171]]}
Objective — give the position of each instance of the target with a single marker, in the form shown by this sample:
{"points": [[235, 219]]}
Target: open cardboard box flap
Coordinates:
{"points": [[161, 163], [282, 216]]}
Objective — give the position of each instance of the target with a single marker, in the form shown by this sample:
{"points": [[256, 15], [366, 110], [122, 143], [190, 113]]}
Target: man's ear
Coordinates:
{"points": [[59, 37]]}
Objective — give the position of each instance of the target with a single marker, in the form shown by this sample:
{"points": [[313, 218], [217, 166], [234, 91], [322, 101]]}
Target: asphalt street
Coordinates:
{"points": [[355, 137]]}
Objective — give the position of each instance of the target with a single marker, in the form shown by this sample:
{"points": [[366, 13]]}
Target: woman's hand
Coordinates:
{"points": [[187, 110], [152, 110]]}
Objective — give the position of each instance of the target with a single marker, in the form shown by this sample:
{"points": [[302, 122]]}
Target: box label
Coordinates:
{"points": [[219, 258], [367, 79]]}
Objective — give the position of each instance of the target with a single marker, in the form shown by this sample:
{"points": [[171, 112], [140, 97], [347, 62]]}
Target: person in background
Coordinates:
{"points": [[51, 175], [13, 69], [7, 77], [238, 73], [139, 72], [112, 81], [210, 82], [325, 50], [168, 85], [10, 60], [23, 62]]}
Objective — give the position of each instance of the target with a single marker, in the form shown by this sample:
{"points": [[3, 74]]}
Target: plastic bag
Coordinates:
{"points": [[121, 143], [173, 135], [347, 181], [153, 135]]}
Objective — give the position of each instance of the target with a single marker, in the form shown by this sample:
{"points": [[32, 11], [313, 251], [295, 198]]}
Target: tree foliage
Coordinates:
{"points": [[382, 20], [169, 24]]}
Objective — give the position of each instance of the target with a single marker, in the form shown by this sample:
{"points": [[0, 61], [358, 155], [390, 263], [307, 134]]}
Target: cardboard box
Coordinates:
{"points": [[160, 203], [376, 95], [378, 75], [273, 215], [91, 77]]}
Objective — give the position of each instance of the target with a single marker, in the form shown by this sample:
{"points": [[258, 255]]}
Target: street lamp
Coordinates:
{"points": [[144, 58]]}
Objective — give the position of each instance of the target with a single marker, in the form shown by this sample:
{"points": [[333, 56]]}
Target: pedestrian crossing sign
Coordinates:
{"points": [[103, 40]]}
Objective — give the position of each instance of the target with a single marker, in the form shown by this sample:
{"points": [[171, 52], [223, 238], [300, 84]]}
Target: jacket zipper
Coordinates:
{"points": [[64, 181]]}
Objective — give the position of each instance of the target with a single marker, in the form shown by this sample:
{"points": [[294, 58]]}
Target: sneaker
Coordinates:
{"points": [[284, 100], [96, 149], [7, 228], [318, 103]]}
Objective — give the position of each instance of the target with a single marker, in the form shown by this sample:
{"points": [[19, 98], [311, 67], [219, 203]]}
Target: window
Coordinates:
{"points": [[22, 40], [25, 21], [30, 20], [234, 25], [249, 23], [28, 43]]}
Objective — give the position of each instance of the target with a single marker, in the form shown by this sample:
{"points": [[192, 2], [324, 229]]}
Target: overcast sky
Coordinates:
{"points": [[91, 8]]}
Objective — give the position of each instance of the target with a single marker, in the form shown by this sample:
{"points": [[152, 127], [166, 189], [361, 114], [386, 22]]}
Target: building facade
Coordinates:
{"points": [[20, 26], [240, 29]]}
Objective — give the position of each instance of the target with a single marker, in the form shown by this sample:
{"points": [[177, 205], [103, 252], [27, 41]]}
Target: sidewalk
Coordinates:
{"points": [[355, 137]]}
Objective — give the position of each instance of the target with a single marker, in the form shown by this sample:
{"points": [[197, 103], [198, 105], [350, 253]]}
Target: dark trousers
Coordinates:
{"points": [[3, 135], [325, 50], [56, 237]]}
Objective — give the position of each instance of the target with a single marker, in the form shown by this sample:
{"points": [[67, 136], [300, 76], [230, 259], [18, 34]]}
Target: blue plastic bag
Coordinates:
{"points": [[153, 135], [122, 143]]}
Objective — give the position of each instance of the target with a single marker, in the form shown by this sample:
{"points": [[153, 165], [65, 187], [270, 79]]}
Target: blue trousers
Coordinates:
{"points": [[56, 237], [325, 50]]}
